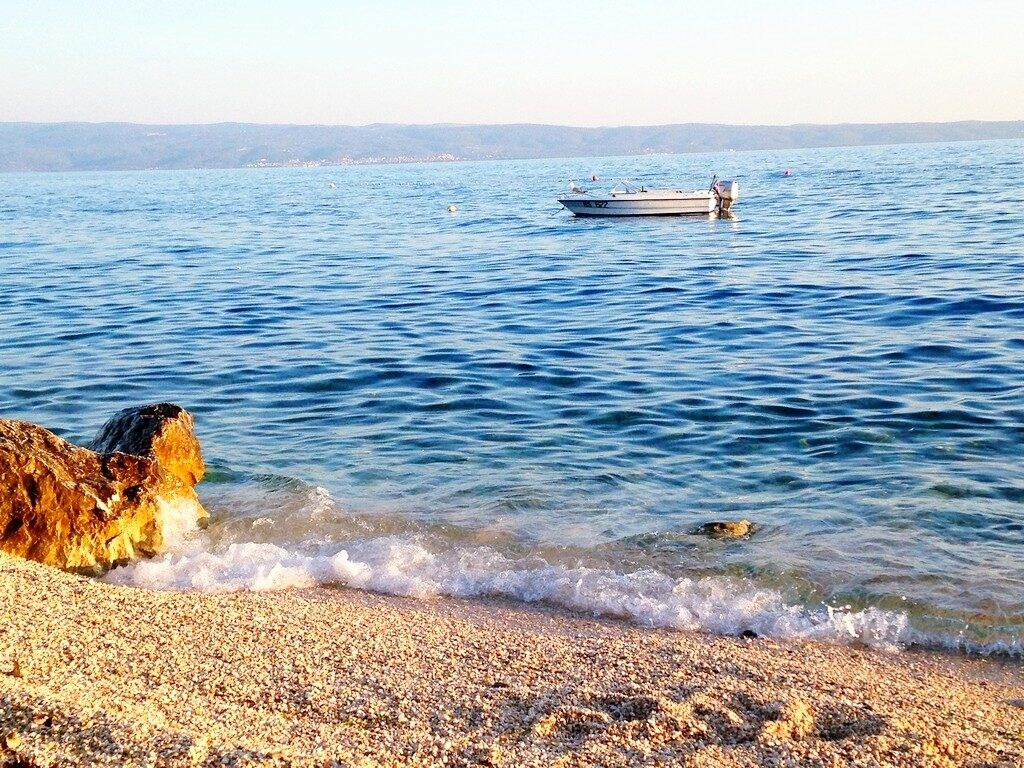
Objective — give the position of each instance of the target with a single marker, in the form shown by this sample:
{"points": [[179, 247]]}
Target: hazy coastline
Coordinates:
{"points": [[83, 146]]}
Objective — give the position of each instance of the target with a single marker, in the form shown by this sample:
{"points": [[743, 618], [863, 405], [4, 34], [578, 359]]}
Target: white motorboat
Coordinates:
{"points": [[629, 199]]}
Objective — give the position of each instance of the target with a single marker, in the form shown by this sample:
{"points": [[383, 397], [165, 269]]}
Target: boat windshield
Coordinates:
{"points": [[628, 187]]}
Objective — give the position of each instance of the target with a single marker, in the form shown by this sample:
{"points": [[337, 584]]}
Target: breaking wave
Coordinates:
{"points": [[403, 567], [407, 564]]}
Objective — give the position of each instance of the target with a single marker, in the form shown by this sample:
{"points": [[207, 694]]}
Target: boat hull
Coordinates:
{"points": [[642, 204]]}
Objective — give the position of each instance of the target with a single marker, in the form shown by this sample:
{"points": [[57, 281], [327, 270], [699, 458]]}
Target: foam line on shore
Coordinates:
{"points": [[403, 566], [407, 564]]}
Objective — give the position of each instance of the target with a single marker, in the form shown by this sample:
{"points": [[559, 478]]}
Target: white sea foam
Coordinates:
{"points": [[406, 565], [177, 519]]}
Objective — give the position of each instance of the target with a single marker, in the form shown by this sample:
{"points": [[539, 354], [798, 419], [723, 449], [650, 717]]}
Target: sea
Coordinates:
{"points": [[508, 401]]}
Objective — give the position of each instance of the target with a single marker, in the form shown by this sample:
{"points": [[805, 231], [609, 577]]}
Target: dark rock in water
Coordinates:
{"points": [[728, 529], [88, 510]]}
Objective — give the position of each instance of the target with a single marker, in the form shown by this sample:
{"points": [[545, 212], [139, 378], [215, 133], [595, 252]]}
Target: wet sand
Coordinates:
{"points": [[97, 674]]}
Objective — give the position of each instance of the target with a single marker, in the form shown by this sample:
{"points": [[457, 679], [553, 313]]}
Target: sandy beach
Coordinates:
{"points": [[100, 674]]}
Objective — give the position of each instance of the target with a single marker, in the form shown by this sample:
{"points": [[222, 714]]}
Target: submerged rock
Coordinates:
{"points": [[727, 529], [89, 509]]}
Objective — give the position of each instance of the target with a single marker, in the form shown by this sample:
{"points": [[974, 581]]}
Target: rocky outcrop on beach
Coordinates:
{"points": [[163, 432], [89, 509]]}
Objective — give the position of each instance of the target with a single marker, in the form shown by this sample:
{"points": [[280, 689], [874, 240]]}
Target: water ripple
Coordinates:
{"points": [[840, 363]]}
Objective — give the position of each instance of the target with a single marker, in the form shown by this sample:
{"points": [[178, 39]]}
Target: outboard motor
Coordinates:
{"points": [[727, 192]]}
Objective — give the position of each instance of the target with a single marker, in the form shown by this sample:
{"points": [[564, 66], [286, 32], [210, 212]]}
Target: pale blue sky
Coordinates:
{"points": [[585, 62]]}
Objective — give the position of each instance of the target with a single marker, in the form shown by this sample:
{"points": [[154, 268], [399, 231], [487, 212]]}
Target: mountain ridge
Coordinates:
{"points": [[83, 146]]}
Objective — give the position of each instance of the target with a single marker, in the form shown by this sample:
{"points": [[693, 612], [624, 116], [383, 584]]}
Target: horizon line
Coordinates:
{"points": [[512, 124]]}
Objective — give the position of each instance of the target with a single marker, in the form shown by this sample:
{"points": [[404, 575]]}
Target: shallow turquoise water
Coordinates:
{"points": [[511, 400]]}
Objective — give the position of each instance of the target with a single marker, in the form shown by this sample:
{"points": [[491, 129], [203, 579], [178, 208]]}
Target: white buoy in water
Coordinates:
{"points": [[452, 208]]}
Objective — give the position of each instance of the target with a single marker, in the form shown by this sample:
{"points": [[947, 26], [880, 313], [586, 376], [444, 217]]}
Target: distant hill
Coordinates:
{"points": [[129, 146]]}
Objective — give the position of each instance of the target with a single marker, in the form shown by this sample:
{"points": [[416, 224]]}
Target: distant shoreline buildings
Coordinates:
{"points": [[342, 161]]}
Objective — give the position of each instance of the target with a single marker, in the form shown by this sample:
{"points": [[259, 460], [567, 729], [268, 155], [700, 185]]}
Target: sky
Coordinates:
{"points": [[586, 62]]}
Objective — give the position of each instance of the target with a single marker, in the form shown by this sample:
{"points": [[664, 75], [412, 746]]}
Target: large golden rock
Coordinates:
{"points": [[163, 432], [88, 509]]}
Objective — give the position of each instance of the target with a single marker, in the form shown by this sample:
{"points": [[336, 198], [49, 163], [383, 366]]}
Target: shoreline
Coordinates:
{"points": [[122, 676]]}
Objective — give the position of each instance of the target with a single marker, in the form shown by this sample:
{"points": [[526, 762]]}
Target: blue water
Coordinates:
{"points": [[509, 400]]}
